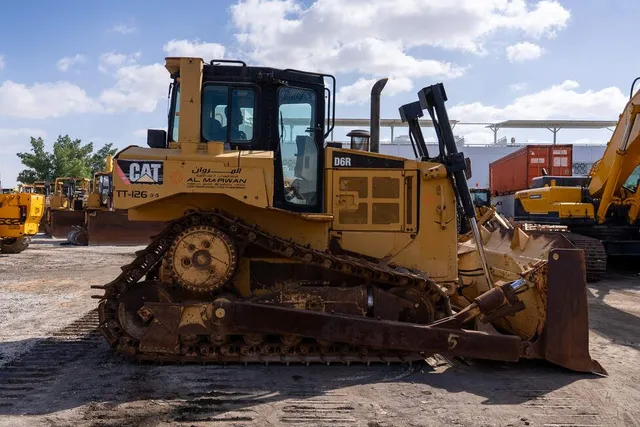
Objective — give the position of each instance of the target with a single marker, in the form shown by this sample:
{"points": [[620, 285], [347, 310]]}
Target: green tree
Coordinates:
{"points": [[98, 160], [68, 158], [39, 163]]}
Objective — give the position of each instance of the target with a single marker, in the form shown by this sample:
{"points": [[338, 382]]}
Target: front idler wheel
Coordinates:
{"points": [[134, 318]]}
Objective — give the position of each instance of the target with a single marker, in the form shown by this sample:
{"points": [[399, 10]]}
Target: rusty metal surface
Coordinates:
{"points": [[240, 318], [249, 236], [328, 299], [566, 338], [61, 222], [114, 228], [243, 331]]}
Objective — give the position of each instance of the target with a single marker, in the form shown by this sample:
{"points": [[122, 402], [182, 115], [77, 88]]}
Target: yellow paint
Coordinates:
{"points": [[59, 200], [427, 242], [566, 201], [410, 214], [509, 254], [190, 100], [10, 203], [192, 315], [608, 175]]}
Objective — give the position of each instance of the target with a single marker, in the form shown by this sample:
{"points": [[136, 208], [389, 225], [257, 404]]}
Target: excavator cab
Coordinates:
{"points": [[281, 247]]}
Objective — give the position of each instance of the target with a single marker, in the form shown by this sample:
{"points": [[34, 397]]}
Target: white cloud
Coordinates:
{"points": [[1, 62], [6, 134], [138, 87], [14, 140], [561, 101], [195, 48], [44, 100], [518, 87], [110, 61], [140, 133], [376, 38], [122, 29], [360, 91], [67, 62], [525, 51]]}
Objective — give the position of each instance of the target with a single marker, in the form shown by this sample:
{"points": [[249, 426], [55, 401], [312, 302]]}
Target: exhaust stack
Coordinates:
{"points": [[376, 90]]}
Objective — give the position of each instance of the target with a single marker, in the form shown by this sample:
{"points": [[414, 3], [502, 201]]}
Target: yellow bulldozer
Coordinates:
{"points": [[102, 224], [486, 215], [20, 215], [280, 246], [600, 212], [65, 210]]}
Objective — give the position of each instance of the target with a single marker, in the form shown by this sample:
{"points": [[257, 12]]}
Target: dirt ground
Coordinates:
{"points": [[55, 370]]}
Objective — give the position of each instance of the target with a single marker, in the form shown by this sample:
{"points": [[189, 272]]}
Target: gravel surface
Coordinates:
{"points": [[55, 370]]}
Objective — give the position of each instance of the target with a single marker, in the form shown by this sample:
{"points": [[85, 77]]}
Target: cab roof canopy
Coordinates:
{"points": [[238, 70]]}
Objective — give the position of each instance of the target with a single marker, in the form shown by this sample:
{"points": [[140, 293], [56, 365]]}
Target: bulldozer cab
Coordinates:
{"points": [[69, 193], [481, 197], [26, 188], [101, 191], [237, 110], [42, 187]]}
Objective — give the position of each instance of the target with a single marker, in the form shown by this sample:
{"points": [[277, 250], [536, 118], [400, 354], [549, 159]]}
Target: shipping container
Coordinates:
{"points": [[515, 171]]}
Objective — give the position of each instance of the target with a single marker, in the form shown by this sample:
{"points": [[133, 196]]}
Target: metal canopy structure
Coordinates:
{"points": [[553, 125], [390, 123]]}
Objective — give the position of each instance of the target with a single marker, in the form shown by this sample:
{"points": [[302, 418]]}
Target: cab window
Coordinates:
{"points": [[633, 181], [228, 114], [299, 154], [175, 119]]}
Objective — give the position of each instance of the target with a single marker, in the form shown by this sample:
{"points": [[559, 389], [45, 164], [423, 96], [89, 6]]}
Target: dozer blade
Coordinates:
{"points": [[566, 341], [554, 322], [114, 228], [62, 222]]}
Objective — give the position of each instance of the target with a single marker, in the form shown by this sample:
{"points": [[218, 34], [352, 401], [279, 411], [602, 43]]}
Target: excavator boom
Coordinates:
{"points": [[618, 163]]}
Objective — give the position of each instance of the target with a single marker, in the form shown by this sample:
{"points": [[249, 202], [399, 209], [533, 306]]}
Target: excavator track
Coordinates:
{"points": [[264, 348], [595, 255]]}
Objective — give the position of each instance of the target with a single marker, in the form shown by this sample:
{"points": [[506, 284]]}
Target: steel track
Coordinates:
{"points": [[595, 255], [273, 350]]}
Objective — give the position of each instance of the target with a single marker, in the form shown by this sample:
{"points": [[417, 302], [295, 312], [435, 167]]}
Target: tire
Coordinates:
{"points": [[15, 245], [81, 238], [71, 237]]}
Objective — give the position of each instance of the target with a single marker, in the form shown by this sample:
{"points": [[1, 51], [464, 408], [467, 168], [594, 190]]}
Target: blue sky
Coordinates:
{"points": [[94, 70]]}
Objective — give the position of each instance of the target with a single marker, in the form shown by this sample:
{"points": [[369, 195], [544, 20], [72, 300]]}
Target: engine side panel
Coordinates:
{"points": [[391, 208]]}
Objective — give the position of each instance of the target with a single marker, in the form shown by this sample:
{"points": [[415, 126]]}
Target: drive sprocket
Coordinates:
{"points": [[202, 259]]}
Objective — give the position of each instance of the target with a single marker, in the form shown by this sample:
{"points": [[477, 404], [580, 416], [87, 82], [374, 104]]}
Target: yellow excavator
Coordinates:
{"points": [[20, 215], [599, 212], [280, 246]]}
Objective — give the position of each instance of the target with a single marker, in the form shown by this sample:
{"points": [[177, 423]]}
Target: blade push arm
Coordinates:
{"points": [[432, 99]]}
